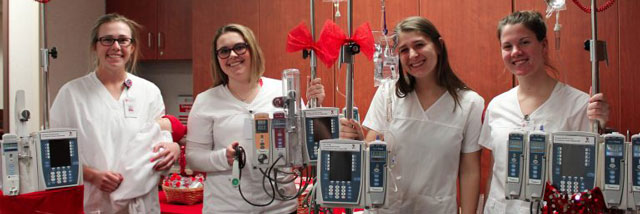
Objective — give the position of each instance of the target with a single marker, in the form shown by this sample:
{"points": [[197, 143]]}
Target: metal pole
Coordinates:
{"points": [[593, 50], [349, 102], [349, 91], [313, 63], [44, 62]]}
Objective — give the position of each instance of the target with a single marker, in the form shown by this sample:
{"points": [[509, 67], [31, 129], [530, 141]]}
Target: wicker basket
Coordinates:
{"points": [[188, 196]]}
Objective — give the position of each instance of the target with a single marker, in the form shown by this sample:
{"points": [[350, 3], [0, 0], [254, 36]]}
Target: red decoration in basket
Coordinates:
{"points": [[43, 1], [591, 201]]}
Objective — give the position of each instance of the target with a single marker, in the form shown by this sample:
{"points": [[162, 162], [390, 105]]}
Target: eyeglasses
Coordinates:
{"points": [[108, 41], [239, 49]]}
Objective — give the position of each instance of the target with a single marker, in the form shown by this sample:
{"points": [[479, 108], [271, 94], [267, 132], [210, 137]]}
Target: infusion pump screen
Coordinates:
{"points": [[60, 153], [261, 126], [571, 165], [322, 129], [340, 166]]}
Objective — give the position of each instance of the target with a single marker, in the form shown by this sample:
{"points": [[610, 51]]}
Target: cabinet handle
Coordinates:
{"points": [[160, 40], [149, 39]]}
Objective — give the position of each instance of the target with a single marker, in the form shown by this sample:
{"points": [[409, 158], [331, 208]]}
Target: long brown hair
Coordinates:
{"points": [[130, 66], [445, 77], [257, 58]]}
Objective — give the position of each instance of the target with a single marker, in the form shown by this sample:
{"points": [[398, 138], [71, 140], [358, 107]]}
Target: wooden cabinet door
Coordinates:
{"points": [[144, 13], [174, 30]]}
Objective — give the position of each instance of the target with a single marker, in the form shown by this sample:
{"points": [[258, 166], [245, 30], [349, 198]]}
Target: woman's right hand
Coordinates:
{"points": [[231, 152], [351, 129], [107, 181]]}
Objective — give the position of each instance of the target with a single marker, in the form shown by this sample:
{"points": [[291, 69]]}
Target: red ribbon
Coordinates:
{"points": [[591, 201], [299, 38], [331, 39]]}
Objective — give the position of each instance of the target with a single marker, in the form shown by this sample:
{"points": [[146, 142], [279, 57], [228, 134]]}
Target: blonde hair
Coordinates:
{"points": [[133, 26]]}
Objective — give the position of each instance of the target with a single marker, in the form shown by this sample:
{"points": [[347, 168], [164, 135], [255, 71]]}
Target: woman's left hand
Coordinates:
{"points": [[598, 109], [315, 89], [167, 156]]}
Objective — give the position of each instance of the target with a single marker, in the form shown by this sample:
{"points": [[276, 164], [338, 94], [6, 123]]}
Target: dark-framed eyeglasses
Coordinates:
{"points": [[239, 49], [108, 41]]}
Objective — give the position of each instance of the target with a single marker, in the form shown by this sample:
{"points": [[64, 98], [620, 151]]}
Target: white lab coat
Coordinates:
{"points": [[564, 110], [215, 121], [426, 148], [106, 132]]}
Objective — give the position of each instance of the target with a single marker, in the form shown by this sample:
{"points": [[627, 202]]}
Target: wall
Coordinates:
{"points": [[68, 26], [23, 54], [172, 77]]}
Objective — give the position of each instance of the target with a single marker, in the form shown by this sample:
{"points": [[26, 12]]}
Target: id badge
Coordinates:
{"points": [[130, 110]]}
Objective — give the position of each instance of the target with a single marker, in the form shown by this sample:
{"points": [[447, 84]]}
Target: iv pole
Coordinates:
{"points": [[593, 52], [44, 63], [313, 63], [349, 61]]}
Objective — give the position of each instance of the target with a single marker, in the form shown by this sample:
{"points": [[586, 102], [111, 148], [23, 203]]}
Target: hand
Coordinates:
{"points": [[168, 156], [231, 152], [107, 181], [598, 109], [315, 89], [350, 129]]}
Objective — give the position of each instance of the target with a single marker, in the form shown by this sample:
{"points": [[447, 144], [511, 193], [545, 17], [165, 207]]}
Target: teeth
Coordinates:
{"points": [[234, 64], [518, 62], [417, 64]]}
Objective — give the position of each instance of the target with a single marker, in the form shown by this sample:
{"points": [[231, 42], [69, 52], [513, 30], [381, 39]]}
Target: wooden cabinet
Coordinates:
{"points": [[166, 26]]}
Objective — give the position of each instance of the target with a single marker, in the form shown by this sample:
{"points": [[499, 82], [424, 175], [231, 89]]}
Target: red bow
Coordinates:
{"points": [[331, 39], [299, 38], [591, 201]]}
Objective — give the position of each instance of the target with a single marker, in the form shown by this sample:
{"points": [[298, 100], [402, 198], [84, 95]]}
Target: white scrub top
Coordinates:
{"points": [[564, 110], [426, 147], [105, 128], [215, 121]]}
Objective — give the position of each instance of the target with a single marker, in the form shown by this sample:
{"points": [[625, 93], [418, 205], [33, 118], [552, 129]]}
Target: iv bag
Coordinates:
{"points": [[555, 6], [385, 61]]}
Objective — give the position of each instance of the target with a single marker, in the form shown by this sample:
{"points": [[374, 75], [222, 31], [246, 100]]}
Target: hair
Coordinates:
{"points": [[257, 58], [133, 26], [445, 77], [533, 21]]}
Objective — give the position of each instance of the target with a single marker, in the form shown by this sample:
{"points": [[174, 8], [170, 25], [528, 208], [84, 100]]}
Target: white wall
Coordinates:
{"points": [[24, 59], [69, 23], [173, 78]]}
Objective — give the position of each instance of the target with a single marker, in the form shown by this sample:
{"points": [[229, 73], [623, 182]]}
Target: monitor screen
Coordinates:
{"points": [[340, 166], [262, 126], [322, 129], [60, 153], [573, 160]]}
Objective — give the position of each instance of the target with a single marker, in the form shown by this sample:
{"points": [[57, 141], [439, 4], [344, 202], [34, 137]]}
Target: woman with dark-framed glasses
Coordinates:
{"points": [[123, 142], [217, 118]]}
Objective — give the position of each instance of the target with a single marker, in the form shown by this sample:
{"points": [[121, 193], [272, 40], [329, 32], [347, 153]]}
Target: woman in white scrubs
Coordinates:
{"points": [[216, 124], [111, 107], [538, 101], [434, 129]]}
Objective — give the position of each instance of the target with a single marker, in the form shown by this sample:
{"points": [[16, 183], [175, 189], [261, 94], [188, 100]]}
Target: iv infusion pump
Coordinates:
{"points": [[318, 124], [573, 157], [613, 165], [44, 160], [10, 166], [350, 175]]}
